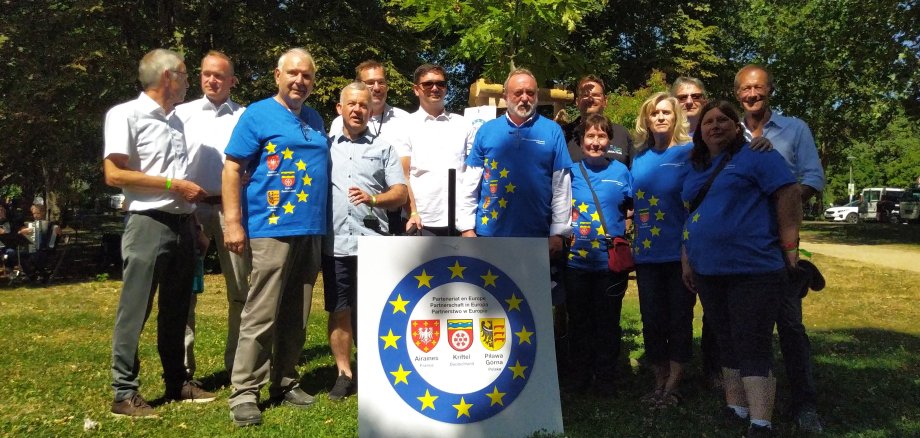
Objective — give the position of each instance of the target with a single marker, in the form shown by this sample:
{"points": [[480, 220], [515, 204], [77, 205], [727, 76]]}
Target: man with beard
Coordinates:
{"points": [[517, 182], [792, 138], [281, 216]]}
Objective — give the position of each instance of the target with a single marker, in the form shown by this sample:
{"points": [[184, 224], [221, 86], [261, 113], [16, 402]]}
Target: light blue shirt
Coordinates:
{"points": [[371, 165], [791, 137]]}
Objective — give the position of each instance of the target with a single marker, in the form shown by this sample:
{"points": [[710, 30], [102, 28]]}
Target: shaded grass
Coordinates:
{"points": [[902, 236], [55, 346]]}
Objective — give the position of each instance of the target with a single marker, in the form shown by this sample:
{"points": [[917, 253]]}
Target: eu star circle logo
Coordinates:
{"points": [[457, 340]]}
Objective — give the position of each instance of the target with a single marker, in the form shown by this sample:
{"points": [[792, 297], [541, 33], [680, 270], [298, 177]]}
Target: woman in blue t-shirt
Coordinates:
{"points": [[740, 236], [594, 295], [666, 305]]}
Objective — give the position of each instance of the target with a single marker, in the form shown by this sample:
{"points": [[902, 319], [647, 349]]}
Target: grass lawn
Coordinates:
{"points": [[55, 354]]}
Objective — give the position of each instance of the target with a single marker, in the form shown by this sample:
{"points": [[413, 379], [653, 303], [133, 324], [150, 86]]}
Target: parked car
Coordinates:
{"points": [[909, 207], [846, 213], [880, 204]]}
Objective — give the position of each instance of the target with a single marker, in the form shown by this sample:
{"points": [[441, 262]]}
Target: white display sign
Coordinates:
{"points": [[455, 338]]}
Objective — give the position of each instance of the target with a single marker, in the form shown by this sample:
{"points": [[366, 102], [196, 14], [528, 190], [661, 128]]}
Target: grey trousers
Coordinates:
{"points": [[157, 252], [236, 270], [274, 319]]}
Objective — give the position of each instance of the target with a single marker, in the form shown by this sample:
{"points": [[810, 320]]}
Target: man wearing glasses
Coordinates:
{"points": [[590, 98], [792, 138], [281, 215], [691, 94], [385, 120], [145, 155], [366, 179], [435, 142]]}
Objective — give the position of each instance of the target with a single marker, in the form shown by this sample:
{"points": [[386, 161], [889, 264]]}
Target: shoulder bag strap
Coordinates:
{"points": [[695, 203], [597, 203]]}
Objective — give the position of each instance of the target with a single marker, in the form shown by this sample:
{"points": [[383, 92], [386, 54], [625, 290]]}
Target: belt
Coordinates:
{"points": [[163, 217], [213, 200]]}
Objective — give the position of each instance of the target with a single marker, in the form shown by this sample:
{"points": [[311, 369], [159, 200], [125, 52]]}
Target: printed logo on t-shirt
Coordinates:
{"points": [[273, 196], [273, 161]]}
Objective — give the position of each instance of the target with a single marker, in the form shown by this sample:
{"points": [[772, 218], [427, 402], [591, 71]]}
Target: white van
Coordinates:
{"points": [[869, 208]]}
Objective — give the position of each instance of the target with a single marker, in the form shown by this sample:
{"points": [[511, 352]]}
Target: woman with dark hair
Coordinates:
{"points": [[740, 238], [594, 294], [658, 173]]}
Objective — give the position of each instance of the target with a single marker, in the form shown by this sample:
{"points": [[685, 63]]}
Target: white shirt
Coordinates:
{"points": [[154, 143], [434, 145], [207, 132], [386, 125]]}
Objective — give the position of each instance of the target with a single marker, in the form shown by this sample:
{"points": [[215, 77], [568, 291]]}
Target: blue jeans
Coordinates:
{"points": [[667, 312]]}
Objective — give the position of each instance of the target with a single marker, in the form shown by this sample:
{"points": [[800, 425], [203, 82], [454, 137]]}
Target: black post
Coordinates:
{"points": [[451, 202]]}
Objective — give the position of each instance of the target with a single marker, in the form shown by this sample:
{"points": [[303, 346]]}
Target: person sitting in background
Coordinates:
{"points": [[42, 236], [8, 254]]}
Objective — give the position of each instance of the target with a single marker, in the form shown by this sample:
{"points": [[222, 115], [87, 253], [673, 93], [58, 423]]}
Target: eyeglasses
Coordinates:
{"points": [[378, 82], [306, 130], [180, 72], [427, 85], [695, 96]]}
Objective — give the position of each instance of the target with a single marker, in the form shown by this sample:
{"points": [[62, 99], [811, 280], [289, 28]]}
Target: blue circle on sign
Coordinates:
{"points": [[394, 335]]}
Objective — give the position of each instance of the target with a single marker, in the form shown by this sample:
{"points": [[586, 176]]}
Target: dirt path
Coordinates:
{"points": [[882, 255]]}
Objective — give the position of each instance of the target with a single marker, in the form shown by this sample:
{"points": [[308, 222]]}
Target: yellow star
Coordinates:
{"points": [[485, 163], [600, 230], [514, 302], [647, 243], [696, 217], [583, 208], [509, 188], [456, 270], [307, 180], [496, 396], [400, 375], [289, 208], [687, 205], [270, 148], [524, 335], [494, 164], [518, 370], [489, 279], [640, 194], [463, 408], [302, 196], [571, 256], [399, 305], [503, 173], [502, 202], [485, 220], [653, 201], [656, 231], [686, 234], [424, 279], [288, 154], [390, 340], [427, 400], [595, 217], [595, 244], [494, 214], [301, 165], [583, 253], [273, 220], [659, 215]]}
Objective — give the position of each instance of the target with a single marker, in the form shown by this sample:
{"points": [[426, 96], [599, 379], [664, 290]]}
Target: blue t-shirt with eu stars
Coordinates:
{"points": [[734, 230], [659, 213], [289, 166], [613, 186], [515, 197]]}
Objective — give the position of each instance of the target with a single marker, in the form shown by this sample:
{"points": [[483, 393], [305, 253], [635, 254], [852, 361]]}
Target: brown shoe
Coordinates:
{"points": [[135, 407], [192, 392]]}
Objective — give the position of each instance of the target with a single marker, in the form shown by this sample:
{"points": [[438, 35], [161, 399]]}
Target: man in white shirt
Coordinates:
{"points": [[145, 155], [435, 142], [208, 123]]}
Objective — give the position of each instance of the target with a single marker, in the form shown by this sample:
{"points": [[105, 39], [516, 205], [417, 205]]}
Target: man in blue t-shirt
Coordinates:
{"points": [[517, 182], [281, 214]]}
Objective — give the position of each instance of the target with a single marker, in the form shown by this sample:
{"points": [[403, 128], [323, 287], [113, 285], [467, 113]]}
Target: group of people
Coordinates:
{"points": [[284, 200], [26, 246]]}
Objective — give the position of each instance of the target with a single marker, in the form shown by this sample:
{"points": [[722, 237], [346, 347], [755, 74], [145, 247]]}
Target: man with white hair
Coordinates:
{"points": [[145, 155], [517, 182], [281, 216]]}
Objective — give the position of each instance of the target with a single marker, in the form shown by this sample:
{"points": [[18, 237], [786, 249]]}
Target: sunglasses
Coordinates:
{"points": [[427, 85], [694, 96]]}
